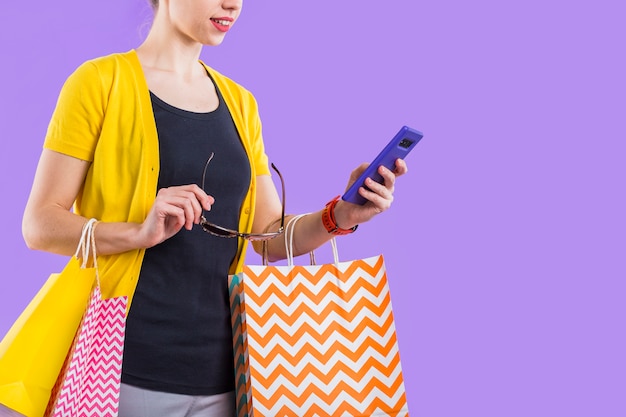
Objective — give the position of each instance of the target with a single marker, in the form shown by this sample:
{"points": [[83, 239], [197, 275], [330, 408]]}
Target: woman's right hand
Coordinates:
{"points": [[174, 208]]}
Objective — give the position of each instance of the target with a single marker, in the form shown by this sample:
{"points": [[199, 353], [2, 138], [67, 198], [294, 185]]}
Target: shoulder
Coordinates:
{"points": [[107, 73], [108, 66]]}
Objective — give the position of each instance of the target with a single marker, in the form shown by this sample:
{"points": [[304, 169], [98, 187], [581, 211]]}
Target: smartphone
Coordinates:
{"points": [[399, 147]]}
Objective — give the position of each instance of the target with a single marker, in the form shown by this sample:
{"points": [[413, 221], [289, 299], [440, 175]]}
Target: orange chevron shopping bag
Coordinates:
{"points": [[316, 340]]}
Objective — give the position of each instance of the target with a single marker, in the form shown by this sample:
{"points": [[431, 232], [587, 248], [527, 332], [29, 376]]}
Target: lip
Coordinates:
{"points": [[220, 27]]}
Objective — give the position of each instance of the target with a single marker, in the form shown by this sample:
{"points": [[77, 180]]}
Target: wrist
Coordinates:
{"points": [[118, 237], [342, 216], [337, 225]]}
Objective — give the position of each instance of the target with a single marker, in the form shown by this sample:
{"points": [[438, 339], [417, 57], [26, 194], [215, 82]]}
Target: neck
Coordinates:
{"points": [[167, 50]]}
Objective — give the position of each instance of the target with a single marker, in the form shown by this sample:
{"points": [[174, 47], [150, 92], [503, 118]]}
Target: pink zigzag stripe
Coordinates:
{"points": [[112, 354], [111, 327], [102, 399]]}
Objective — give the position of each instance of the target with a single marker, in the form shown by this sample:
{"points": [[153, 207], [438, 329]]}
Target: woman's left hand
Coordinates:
{"points": [[379, 196]]}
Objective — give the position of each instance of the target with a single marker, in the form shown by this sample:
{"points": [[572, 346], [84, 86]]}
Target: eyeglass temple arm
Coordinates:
{"points": [[205, 168], [282, 183]]}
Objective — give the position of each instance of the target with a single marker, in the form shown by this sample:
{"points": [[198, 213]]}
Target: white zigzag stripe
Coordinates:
{"points": [[333, 406], [298, 279], [332, 318], [302, 299], [377, 340], [286, 380]]}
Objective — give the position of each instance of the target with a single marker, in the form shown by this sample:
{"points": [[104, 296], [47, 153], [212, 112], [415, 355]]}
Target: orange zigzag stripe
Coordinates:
{"points": [[299, 399], [314, 298], [327, 377], [345, 408], [307, 328], [294, 358], [307, 272]]}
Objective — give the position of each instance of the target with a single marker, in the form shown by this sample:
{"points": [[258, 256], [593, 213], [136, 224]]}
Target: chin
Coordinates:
{"points": [[212, 43], [213, 40]]}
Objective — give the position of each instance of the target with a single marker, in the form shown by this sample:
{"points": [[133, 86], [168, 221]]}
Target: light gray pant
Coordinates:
{"points": [[139, 402]]}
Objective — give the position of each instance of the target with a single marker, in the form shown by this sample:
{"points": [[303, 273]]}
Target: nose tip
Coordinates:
{"points": [[235, 4]]}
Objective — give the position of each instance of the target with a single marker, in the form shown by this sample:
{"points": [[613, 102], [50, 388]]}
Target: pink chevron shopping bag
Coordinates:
{"points": [[89, 383], [316, 340]]}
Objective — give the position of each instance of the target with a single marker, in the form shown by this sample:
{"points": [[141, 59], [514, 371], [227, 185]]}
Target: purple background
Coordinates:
{"points": [[505, 245]]}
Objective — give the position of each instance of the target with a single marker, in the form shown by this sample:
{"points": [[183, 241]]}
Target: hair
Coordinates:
{"points": [[154, 4]]}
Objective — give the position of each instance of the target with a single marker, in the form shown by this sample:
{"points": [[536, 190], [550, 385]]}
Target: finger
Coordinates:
{"points": [[203, 198], [170, 219], [401, 167], [186, 201], [378, 201], [389, 178], [206, 201], [173, 217], [384, 190], [192, 208]]}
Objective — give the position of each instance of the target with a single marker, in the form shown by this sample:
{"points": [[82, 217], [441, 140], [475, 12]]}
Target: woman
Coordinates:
{"points": [[127, 145]]}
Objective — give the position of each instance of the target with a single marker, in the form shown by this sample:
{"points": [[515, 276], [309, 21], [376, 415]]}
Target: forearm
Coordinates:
{"points": [[57, 230]]}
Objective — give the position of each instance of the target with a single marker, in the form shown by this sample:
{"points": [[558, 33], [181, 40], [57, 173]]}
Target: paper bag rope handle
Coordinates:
{"points": [[87, 246], [289, 232]]}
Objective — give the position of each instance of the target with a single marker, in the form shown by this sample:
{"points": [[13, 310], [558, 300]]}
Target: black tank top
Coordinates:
{"points": [[178, 336]]}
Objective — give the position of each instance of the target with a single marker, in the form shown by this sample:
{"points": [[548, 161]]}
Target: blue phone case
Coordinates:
{"points": [[399, 147]]}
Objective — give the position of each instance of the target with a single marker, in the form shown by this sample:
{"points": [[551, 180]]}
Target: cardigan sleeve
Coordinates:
{"points": [[77, 120]]}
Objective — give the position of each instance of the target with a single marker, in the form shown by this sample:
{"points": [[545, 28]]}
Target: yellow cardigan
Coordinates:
{"points": [[104, 115]]}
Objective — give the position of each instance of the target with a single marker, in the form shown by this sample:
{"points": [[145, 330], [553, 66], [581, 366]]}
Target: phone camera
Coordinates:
{"points": [[406, 143]]}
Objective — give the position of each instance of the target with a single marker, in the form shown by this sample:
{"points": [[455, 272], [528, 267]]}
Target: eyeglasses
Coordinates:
{"points": [[229, 233]]}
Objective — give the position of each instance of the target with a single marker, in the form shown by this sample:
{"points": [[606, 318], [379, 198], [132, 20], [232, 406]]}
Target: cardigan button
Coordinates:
{"points": [[247, 211]]}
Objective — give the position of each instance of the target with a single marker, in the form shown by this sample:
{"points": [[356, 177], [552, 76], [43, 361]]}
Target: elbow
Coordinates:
{"points": [[45, 229], [31, 234], [259, 247], [31, 239], [268, 255]]}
